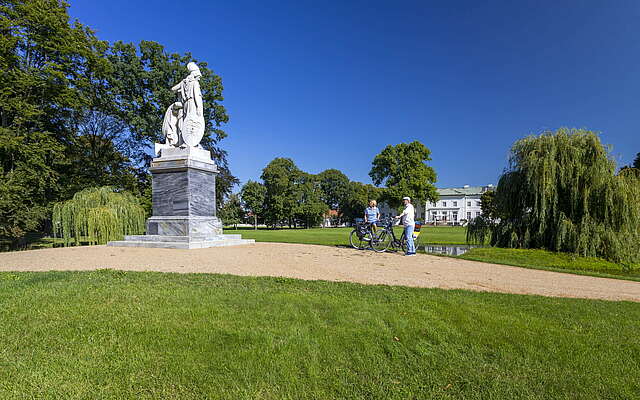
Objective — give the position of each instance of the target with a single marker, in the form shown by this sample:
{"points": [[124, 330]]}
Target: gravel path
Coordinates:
{"points": [[327, 263]]}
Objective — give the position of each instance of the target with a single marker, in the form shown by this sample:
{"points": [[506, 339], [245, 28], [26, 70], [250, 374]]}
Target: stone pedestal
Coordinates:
{"points": [[184, 203]]}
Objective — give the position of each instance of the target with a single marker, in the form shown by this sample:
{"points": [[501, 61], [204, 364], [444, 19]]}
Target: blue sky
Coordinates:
{"points": [[330, 84]]}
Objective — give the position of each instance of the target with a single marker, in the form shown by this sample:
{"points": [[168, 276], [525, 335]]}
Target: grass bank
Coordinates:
{"points": [[340, 236], [124, 335], [560, 262]]}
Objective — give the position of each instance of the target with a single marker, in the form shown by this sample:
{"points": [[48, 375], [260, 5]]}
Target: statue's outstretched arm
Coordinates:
{"points": [[177, 87]]}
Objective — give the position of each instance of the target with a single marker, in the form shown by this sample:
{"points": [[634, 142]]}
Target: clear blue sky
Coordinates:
{"points": [[330, 84]]}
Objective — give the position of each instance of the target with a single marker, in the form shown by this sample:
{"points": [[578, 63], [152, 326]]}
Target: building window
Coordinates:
{"points": [[444, 204], [478, 203], [455, 204], [468, 214], [468, 204], [455, 216]]}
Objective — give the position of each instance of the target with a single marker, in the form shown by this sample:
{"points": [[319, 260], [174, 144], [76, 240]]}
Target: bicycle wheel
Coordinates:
{"points": [[381, 242], [403, 242], [357, 241]]}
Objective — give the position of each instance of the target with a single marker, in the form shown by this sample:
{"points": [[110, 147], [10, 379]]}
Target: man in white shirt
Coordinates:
{"points": [[408, 220]]}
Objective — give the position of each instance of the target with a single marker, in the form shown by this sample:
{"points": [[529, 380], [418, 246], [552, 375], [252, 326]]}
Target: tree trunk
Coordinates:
{"points": [[255, 223]]}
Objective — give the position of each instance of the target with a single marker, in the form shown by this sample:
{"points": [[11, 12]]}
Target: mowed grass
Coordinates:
{"points": [[547, 260], [340, 236], [124, 335]]}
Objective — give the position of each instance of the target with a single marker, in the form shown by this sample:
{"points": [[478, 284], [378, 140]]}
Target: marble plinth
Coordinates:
{"points": [[180, 242], [184, 203]]}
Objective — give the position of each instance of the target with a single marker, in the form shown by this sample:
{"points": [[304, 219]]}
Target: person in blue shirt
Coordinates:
{"points": [[372, 214]]}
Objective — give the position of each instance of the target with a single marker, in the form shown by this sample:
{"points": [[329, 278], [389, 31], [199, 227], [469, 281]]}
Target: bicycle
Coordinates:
{"points": [[362, 235], [387, 238]]}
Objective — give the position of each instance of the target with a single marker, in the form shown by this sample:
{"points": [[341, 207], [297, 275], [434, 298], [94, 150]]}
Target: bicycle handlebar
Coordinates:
{"points": [[390, 221]]}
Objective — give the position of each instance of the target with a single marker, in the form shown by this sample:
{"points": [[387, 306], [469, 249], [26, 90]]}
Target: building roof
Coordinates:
{"points": [[464, 191]]}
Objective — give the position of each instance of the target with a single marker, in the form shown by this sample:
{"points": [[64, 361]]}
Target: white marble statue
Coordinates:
{"points": [[172, 125], [192, 128], [183, 123]]}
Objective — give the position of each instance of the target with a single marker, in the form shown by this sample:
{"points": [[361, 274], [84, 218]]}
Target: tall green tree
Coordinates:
{"points": [[636, 162], [253, 198], [358, 199], [280, 177], [43, 59], [77, 112], [561, 193], [403, 170], [231, 212], [488, 204], [335, 188], [310, 209]]}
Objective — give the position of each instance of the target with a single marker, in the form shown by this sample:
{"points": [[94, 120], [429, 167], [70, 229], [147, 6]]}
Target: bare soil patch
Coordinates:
{"points": [[313, 262]]}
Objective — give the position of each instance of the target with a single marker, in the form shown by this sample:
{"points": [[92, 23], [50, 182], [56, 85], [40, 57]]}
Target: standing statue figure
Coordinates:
{"points": [[192, 124]]}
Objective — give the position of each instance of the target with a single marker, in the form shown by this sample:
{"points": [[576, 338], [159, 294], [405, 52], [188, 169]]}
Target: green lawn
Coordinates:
{"points": [[541, 259], [123, 335], [340, 236]]}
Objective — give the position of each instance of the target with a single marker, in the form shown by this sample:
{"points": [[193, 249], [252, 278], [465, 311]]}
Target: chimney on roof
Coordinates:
{"points": [[487, 188]]}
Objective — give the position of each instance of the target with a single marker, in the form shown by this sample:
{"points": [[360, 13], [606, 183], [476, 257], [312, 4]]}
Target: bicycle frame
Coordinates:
{"points": [[395, 242]]}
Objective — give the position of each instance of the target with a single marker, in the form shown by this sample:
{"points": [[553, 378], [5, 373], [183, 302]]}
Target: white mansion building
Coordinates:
{"points": [[456, 206]]}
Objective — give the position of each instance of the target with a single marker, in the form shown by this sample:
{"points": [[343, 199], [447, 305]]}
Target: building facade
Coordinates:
{"points": [[456, 206]]}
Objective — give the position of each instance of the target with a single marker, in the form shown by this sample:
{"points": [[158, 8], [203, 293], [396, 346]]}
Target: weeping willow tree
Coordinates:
{"points": [[561, 193], [98, 214]]}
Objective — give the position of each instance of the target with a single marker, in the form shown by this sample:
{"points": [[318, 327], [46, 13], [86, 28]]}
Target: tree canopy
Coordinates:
{"points": [[252, 196], [561, 193], [43, 58], [335, 188], [358, 199], [309, 205], [231, 212], [403, 170], [77, 112], [280, 177]]}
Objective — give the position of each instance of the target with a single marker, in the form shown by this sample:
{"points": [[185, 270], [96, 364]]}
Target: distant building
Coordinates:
{"points": [[456, 206], [330, 219]]}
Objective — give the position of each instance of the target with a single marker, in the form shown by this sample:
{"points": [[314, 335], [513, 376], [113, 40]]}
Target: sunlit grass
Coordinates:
{"points": [[124, 335]]}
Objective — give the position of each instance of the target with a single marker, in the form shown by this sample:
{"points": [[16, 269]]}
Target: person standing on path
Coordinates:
{"points": [[408, 220]]}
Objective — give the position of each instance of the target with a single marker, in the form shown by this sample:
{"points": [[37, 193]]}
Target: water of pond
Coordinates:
{"points": [[448, 249]]}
